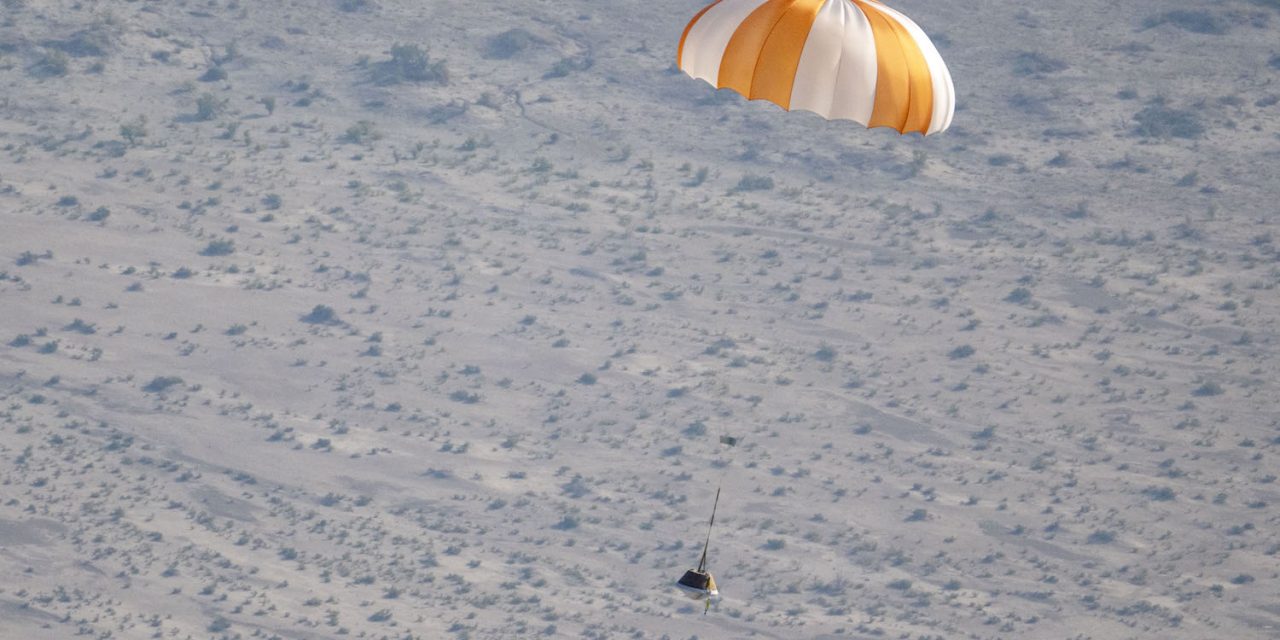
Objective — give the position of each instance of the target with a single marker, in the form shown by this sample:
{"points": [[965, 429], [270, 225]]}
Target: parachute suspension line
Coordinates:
{"points": [[702, 563], [725, 439]]}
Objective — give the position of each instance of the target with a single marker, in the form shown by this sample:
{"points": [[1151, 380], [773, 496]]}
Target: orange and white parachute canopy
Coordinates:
{"points": [[842, 59]]}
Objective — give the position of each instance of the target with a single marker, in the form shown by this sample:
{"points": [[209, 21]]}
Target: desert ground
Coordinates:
{"points": [[413, 320]]}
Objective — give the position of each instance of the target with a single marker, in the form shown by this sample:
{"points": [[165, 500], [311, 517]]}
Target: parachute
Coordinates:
{"points": [[842, 59]]}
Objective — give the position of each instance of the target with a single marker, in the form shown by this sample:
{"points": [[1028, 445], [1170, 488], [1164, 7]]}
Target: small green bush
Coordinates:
{"points": [[360, 133], [409, 63], [1019, 295], [220, 247], [322, 314], [134, 131], [208, 107], [159, 384]]}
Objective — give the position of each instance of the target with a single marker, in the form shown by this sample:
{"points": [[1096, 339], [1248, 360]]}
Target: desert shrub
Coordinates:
{"points": [[111, 149], [1018, 295], [576, 487], [1186, 231], [464, 396], [352, 6], [272, 201], [409, 63], [695, 429], [81, 327], [93, 42], [1274, 62], [1001, 160], [720, 345], [507, 44], [698, 177], [134, 131], [322, 314], [1034, 63], [1101, 537], [442, 113], [587, 378], [1159, 494], [836, 587], [219, 247], [1080, 211], [1208, 388], [825, 353], [360, 133], [961, 352], [68, 201], [159, 384], [29, 258], [1161, 121], [751, 182], [917, 515], [214, 74], [208, 107], [1193, 21]]}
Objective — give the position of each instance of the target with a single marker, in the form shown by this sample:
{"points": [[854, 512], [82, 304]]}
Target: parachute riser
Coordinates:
{"points": [[702, 563]]}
